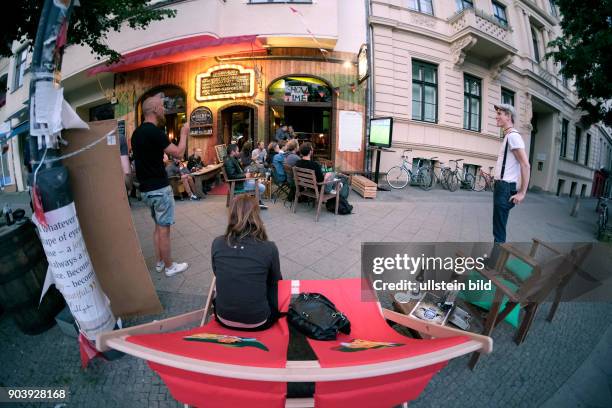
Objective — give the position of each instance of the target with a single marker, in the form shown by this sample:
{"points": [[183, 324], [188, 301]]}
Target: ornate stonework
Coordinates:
{"points": [[460, 47], [498, 66]]}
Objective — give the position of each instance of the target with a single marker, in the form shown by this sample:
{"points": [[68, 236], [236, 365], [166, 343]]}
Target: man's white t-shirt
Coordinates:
{"points": [[512, 174]]}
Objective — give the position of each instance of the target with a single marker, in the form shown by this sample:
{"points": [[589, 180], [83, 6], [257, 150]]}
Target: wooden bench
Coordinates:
{"points": [[364, 186]]}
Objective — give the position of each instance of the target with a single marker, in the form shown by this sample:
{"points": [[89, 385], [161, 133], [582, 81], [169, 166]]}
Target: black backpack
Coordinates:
{"points": [[344, 207], [316, 317]]}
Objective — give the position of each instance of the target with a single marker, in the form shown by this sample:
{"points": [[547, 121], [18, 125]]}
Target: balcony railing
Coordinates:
{"points": [[480, 21]]}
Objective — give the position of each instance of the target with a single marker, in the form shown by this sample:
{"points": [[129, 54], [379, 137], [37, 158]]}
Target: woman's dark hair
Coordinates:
{"points": [[244, 220], [305, 149], [247, 148]]}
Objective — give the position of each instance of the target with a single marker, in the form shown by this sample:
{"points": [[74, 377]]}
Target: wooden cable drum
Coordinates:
{"points": [[23, 267]]}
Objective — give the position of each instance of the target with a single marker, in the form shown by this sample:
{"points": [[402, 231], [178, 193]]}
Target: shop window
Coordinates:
{"points": [[464, 4], [564, 129], [573, 189], [507, 96], [3, 84], [424, 91], [583, 191], [305, 104], [102, 112], [560, 185], [471, 103], [422, 6], [499, 12]]}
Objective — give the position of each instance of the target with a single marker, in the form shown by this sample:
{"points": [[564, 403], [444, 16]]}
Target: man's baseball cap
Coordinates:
{"points": [[506, 108]]}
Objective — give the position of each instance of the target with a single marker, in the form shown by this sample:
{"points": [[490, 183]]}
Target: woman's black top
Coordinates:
{"points": [[247, 276]]}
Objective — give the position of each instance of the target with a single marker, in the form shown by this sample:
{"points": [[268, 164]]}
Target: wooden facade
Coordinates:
{"points": [[331, 68]]}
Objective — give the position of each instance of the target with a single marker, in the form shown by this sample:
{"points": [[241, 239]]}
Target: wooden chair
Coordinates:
{"points": [[232, 191], [306, 185], [528, 291], [177, 186]]}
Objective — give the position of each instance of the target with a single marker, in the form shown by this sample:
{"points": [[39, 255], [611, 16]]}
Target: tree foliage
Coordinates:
{"points": [[585, 54], [90, 23]]}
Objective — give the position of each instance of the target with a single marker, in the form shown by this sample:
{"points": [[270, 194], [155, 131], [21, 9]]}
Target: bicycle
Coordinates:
{"points": [[399, 176], [602, 222], [455, 178], [484, 181]]}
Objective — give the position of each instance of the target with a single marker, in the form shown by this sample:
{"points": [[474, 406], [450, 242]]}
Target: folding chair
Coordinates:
{"points": [[282, 187], [213, 366]]}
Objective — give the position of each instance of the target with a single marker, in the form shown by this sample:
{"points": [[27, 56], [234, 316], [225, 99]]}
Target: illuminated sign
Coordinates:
{"points": [[225, 82], [201, 122]]}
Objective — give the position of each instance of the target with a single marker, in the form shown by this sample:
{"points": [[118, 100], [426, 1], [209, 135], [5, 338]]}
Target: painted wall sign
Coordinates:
{"points": [[201, 122], [225, 82]]}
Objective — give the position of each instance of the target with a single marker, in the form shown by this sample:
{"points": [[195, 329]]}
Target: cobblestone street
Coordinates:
{"points": [[564, 363]]}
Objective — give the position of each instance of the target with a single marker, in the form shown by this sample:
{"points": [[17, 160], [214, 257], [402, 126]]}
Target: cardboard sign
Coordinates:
{"points": [[96, 179]]}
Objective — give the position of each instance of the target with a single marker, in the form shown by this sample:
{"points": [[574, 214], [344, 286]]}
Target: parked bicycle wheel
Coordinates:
{"points": [[452, 181], [602, 224], [397, 177], [470, 180], [480, 184], [443, 178], [425, 179]]}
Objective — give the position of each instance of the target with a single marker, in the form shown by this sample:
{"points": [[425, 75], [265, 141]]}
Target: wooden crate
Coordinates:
{"points": [[365, 187]]}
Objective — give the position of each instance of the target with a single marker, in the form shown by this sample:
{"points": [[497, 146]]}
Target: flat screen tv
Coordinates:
{"points": [[381, 132]]}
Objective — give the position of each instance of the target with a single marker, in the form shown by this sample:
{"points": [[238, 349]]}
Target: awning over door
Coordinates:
{"points": [[183, 50]]}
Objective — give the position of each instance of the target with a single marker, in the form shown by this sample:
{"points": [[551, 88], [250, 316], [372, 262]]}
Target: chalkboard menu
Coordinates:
{"points": [[201, 122], [225, 82]]}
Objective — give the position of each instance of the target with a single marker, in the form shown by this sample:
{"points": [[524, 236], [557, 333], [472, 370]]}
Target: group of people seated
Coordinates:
{"points": [[183, 170], [279, 157]]}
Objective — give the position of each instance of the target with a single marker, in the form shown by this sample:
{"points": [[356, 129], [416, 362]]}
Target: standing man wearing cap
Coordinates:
{"points": [[512, 166]]}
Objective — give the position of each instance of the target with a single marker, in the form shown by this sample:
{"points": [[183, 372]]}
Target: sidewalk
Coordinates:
{"points": [[526, 375]]}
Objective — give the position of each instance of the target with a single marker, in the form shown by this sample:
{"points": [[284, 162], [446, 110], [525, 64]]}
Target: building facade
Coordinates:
{"points": [[234, 69], [440, 65]]}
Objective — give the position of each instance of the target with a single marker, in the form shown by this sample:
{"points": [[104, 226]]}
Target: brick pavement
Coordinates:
{"points": [[528, 375]]}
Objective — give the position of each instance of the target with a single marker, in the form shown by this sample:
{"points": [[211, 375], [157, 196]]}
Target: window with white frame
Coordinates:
{"points": [[20, 66], [471, 102], [464, 4], [424, 91], [553, 8], [422, 6], [499, 12], [507, 96], [536, 43]]}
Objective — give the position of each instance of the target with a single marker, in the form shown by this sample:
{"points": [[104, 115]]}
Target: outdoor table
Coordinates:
{"points": [[204, 174]]}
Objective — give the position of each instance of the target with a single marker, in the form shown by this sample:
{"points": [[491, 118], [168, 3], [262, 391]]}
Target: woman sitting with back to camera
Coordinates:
{"points": [[247, 268]]}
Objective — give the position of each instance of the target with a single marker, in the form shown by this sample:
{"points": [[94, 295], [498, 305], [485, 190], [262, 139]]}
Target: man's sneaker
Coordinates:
{"points": [[332, 192], [159, 266], [194, 197], [176, 268], [262, 206]]}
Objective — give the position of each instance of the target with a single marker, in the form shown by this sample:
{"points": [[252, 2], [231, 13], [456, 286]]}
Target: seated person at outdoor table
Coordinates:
{"points": [[247, 268], [245, 154], [259, 154], [273, 149], [291, 151], [194, 162], [278, 162], [234, 171], [176, 168], [307, 163]]}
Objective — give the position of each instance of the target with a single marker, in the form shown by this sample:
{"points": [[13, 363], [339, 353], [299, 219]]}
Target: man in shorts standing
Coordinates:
{"points": [[149, 143]]}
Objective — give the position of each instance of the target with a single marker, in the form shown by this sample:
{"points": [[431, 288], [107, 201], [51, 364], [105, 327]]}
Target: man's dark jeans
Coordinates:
{"points": [[501, 208]]}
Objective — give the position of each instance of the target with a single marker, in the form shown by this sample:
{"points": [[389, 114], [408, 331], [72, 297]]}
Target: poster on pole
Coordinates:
{"points": [[350, 131]]}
